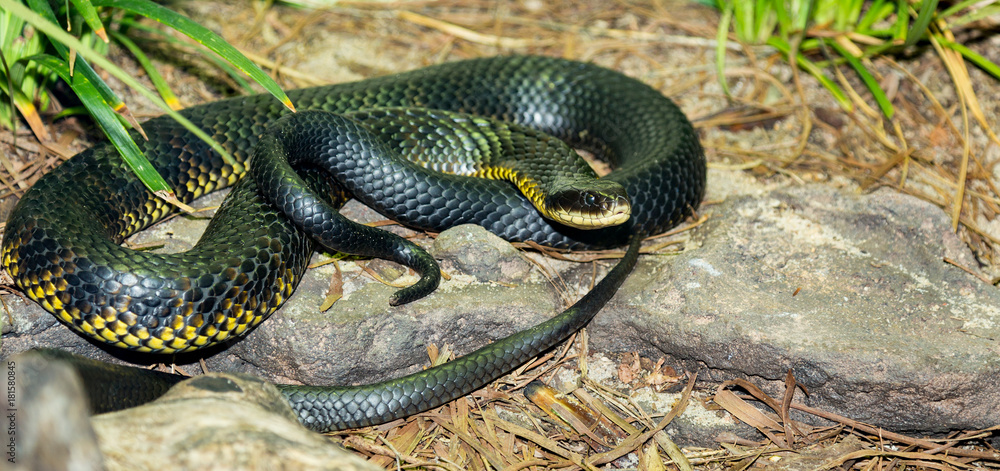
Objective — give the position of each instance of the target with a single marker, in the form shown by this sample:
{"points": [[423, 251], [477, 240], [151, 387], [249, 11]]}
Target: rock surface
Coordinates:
{"points": [[215, 421], [849, 292], [228, 421], [48, 418]]}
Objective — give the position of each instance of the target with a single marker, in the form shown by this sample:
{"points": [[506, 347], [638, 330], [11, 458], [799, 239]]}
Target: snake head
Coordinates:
{"points": [[588, 204]]}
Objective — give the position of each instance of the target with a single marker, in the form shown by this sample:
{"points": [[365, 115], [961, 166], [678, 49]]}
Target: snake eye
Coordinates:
{"points": [[590, 199]]}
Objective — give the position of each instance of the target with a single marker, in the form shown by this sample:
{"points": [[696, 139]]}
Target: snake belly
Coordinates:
{"points": [[62, 241]]}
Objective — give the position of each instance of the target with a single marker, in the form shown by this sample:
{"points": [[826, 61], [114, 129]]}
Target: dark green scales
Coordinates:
{"points": [[62, 242]]}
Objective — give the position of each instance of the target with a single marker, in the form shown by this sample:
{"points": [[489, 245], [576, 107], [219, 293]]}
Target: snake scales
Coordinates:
{"points": [[62, 242]]}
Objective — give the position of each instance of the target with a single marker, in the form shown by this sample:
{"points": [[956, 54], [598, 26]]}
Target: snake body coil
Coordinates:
{"points": [[62, 242]]}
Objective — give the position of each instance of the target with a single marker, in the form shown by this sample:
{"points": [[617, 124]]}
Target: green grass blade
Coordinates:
{"points": [[742, 15], [974, 15], [82, 66], [809, 44], [758, 10], [58, 34], [851, 20], [16, 43], [958, 7], [746, 19], [764, 23], [877, 49], [919, 26], [801, 14], [24, 105], [233, 73], [70, 111], [203, 36], [877, 11], [721, 36], [89, 14], [783, 19], [902, 20], [815, 71], [883, 101], [154, 75], [107, 119], [6, 81], [842, 14], [974, 57], [819, 13]]}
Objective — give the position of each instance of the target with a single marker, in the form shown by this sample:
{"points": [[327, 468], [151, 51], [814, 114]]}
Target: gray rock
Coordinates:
{"points": [[361, 338], [849, 292], [881, 330], [47, 418], [473, 250], [217, 421]]}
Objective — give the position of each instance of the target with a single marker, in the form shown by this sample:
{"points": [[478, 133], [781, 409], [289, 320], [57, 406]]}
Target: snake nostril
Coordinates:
{"points": [[254, 260]]}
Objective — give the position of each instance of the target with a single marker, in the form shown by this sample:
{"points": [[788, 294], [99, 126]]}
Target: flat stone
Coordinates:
{"points": [[48, 419], [362, 339], [472, 250], [849, 292], [217, 421]]}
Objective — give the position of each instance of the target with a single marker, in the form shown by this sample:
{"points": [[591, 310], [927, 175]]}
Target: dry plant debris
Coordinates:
{"points": [[497, 428], [593, 426]]}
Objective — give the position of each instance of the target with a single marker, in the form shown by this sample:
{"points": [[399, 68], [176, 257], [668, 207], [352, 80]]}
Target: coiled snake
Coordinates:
{"points": [[62, 242]]}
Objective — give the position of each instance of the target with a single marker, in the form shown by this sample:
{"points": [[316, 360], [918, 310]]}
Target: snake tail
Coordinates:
{"points": [[111, 387], [326, 409], [62, 244]]}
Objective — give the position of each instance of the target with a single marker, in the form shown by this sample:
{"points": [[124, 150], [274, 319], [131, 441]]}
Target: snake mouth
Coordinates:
{"points": [[593, 208]]}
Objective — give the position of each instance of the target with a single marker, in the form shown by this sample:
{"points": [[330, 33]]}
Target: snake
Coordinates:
{"points": [[63, 241]]}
